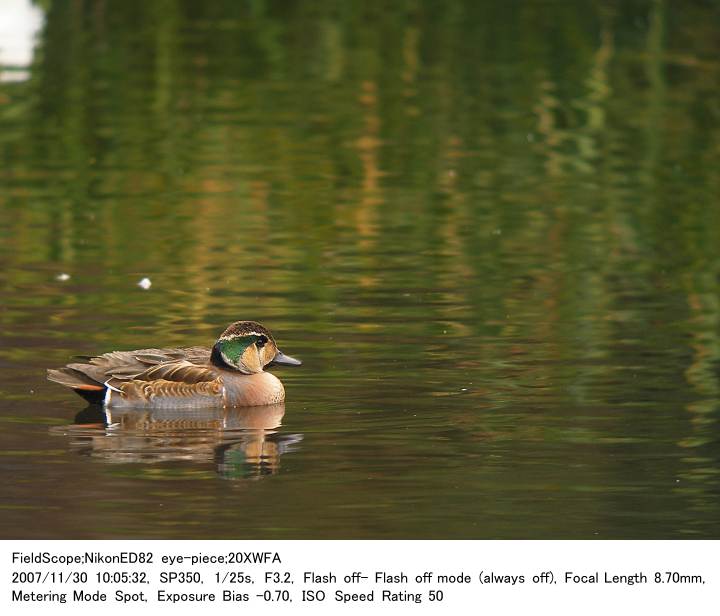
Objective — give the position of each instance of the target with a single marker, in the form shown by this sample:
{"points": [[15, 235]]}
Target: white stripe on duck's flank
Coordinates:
{"points": [[109, 421], [107, 384], [108, 392]]}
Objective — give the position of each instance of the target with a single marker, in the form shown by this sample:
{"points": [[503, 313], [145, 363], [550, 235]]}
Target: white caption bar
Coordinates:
{"points": [[393, 577]]}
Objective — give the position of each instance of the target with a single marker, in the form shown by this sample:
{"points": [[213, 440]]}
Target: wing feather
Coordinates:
{"points": [[189, 366], [181, 371]]}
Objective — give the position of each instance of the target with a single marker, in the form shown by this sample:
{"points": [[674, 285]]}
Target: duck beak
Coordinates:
{"points": [[285, 360]]}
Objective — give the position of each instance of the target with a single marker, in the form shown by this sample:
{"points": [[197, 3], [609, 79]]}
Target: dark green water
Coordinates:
{"points": [[490, 230]]}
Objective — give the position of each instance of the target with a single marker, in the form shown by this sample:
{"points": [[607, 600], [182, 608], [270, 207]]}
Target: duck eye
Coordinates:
{"points": [[261, 341]]}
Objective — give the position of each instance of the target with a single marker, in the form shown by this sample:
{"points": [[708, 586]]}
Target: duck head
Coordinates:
{"points": [[248, 347]]}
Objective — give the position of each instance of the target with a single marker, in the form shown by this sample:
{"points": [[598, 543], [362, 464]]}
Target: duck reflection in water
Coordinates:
{"points": [[242, 443]]}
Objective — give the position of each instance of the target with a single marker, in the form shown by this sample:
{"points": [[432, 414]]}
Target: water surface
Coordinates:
{"points": [[491, 231]]}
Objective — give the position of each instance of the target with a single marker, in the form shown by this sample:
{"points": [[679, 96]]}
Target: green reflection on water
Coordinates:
{"points": [[490, 231]]}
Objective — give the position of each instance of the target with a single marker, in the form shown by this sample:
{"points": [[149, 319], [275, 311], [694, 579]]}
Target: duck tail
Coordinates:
{"points": [[80, 383]]}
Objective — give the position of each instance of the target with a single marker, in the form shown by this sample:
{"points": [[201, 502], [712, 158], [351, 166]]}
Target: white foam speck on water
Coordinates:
{"points": [[20, 21]]}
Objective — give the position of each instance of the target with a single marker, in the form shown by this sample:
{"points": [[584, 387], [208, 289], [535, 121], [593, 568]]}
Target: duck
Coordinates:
{"points": [[230, 374]]}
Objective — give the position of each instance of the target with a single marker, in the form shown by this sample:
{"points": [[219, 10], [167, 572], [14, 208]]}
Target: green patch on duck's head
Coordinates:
{"points": [[232, 350]]}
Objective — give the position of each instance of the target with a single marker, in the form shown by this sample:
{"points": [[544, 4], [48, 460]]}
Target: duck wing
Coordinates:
{"points": [[179, 370], [90, 379]]}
